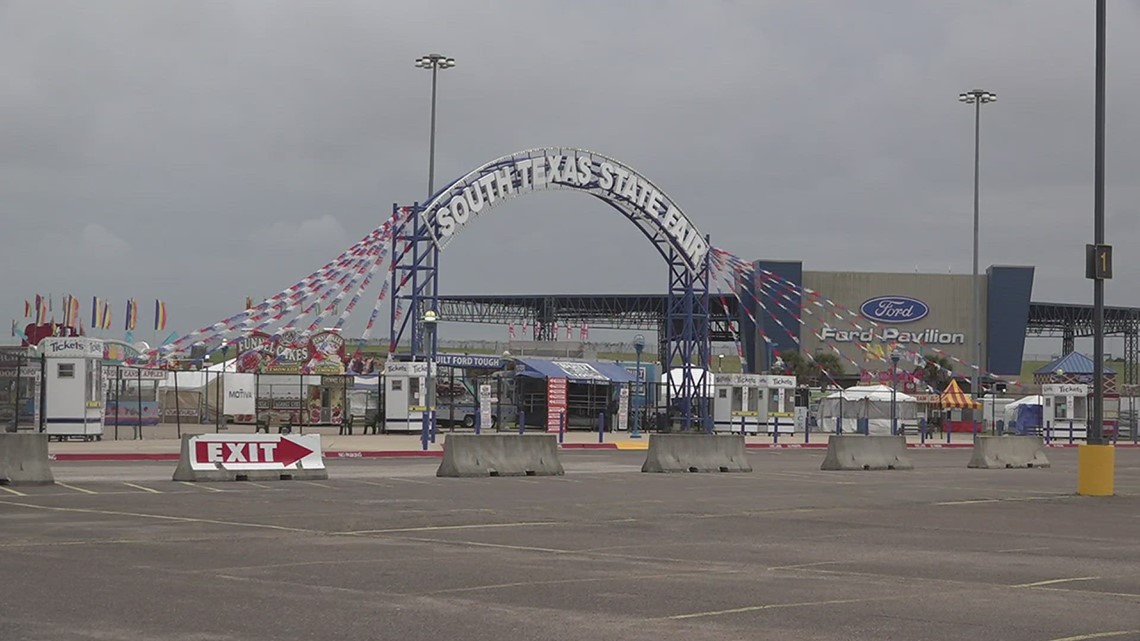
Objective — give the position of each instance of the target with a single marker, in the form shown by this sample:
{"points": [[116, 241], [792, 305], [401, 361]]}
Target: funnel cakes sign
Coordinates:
{"points": [[290, 352]]}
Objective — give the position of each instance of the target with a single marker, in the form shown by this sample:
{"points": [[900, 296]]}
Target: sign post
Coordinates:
{"points": [[555, 402], [484, 407]]}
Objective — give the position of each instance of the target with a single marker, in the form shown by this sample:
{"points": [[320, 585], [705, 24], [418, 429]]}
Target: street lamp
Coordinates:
{"points": [[428, 431], [638, 346], [434, 62], [894, 389], [976, 97]]}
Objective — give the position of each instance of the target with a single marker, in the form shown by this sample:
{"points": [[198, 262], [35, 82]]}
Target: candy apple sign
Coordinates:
{"points": [[642, 202]]}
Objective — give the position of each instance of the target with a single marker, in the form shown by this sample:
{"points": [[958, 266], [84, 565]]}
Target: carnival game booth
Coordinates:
{"points": [[866, 408], [545, 390], [74, 387], [960, 412]]}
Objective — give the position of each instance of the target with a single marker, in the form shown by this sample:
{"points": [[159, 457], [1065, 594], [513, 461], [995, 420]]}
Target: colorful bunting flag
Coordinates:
{"points": [[159, 315]]}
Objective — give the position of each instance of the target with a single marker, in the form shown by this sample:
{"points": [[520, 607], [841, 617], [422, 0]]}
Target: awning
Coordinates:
{"points": [[573, 371], [954, 397]]}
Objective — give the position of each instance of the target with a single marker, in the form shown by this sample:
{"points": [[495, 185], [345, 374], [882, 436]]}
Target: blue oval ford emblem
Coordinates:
{"points": [[894, 309]]}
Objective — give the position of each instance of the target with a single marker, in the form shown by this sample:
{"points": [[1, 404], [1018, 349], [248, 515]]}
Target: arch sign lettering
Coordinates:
{"points": [[642, 202]]}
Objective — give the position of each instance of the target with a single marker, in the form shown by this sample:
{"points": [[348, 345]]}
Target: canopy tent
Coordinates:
{"points": [[869, 402], [954, 397], [1025, 414]]}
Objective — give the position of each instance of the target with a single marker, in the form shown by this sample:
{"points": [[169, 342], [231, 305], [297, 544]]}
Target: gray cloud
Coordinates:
{"points": [[227, 149]]}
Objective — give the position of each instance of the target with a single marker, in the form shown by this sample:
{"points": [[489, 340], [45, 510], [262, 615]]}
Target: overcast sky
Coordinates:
{"points": [[205, 151]]}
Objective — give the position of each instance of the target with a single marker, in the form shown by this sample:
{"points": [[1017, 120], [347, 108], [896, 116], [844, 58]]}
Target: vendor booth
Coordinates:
{"points": [[960, 412], [545, 391], [753, 403], [1065, 410], [74, 387], [866, 409], [737, 402], [405, 395], [779, 410]]}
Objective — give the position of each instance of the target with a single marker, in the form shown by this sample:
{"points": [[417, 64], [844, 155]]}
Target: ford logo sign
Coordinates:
{"points": [[894, 309]]}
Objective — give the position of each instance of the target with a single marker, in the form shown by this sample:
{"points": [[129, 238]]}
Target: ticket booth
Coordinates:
{"points": [[778, 409], [737, 401], [1065, 409], [73, 380], [405, 395]]}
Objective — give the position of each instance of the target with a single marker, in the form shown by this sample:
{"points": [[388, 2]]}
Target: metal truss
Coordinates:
{"points": [[687, 326], [1072, 321], [415, 282]]}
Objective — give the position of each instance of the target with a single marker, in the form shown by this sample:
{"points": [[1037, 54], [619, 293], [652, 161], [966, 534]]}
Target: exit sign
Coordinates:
{"points": [[1098, 262]]}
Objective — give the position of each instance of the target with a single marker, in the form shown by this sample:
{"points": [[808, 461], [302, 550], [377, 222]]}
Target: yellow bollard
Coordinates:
{"points": [[1095, 470]]}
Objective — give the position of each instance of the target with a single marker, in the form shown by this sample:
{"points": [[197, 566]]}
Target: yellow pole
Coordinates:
{"points": [[1095, 470]]}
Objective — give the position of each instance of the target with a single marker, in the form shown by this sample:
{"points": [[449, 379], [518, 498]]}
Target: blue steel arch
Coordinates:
{"points": [[427, 229]]}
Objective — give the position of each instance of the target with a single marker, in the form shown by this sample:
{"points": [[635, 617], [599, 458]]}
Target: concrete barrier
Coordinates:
{"points": [[251, 457], [468, 455], [857, 452], [696, 453], [24, 460], [998, 452]]}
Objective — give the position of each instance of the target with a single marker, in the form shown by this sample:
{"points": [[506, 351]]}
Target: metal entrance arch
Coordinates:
{"points": [[422, 230]]}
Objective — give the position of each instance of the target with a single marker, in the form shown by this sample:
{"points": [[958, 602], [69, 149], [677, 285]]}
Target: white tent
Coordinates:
{"points": [[871, 402], [676, 381]]}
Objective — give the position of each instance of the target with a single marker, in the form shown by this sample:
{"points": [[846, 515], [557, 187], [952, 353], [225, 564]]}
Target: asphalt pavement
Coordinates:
{"points": [[385, 550]]}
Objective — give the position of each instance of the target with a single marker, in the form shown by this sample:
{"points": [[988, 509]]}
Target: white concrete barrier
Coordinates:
{"points": [[999, 452], [467, 455], [858, 452], [696, 453], [24, 459], [251, 457]]}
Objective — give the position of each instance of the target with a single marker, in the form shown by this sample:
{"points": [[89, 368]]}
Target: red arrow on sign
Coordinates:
{"points": [[284, 452]]}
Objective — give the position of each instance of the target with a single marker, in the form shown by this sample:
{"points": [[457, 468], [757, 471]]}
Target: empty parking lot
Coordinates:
{"points": [[384, 550]]}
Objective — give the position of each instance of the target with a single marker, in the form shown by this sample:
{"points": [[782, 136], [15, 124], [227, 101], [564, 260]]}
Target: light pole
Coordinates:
{"points": [[894, 388], [976, 97], [433, 62], [638, 346], [428, 431]]}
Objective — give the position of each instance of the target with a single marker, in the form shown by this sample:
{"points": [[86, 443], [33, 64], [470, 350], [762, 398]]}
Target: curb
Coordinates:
{"points": [[361, 454]]}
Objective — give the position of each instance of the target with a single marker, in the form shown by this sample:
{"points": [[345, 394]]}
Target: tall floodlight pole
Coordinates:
{"points": [[1096, 459], [1096, 429], [433, 62], [976, 97]]}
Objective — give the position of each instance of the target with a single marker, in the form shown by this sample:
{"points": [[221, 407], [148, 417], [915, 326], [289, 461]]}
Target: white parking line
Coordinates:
{"points": [[77, 489], [142, 487], [200, 486], [11, 491]]}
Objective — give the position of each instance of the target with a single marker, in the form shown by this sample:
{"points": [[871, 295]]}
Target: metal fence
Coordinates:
{"points": [[21, 391]]}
